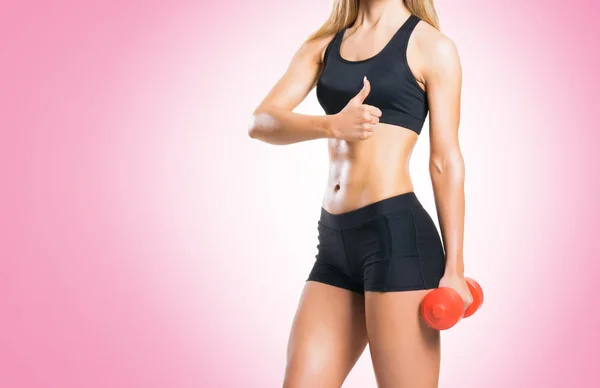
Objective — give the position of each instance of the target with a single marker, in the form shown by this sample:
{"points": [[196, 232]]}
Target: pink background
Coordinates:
{"points": [[146, 241]]}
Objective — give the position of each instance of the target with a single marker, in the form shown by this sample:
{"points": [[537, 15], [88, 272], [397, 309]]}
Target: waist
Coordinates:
{"points": [[352, 185], [352, 218]]}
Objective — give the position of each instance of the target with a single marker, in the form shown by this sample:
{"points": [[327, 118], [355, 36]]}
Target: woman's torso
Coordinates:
{"points": [[366, 171]]}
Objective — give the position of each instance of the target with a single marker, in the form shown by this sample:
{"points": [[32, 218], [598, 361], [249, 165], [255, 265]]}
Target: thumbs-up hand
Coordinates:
{"points": [[357, 120]]}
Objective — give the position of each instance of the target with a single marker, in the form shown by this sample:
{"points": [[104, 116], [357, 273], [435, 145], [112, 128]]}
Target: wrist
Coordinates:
{"points": [[330, 126], [454, 269]]}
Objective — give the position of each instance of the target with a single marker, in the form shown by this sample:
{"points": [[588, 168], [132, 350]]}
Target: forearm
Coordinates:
{"points": [[280, 127], [447, 175]]}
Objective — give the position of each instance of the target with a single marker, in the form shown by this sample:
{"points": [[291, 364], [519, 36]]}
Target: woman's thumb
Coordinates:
{"points": [[364, 92]]}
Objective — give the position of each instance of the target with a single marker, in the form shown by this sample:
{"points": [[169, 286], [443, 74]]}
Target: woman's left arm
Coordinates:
{"points": [[443, 80]]}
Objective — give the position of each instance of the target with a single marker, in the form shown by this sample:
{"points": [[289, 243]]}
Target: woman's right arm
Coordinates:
{"points": [[273, 120]]}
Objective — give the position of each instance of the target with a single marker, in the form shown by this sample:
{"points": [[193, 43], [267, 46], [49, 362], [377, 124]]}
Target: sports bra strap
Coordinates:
{"points": [[400, 39], [333, 45]]}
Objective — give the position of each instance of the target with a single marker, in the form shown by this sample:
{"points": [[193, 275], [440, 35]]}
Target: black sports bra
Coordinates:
{"points": [[394, 89]]}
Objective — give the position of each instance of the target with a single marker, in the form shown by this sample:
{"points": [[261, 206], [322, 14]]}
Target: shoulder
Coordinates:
{"points": [[315, 48], [439, 52]]}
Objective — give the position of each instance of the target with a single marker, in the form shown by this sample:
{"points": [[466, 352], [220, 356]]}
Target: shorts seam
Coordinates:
{"points": [[412, 215], [331, 267], [389, 253], [327, 226], [366, 265], [352, 269]]}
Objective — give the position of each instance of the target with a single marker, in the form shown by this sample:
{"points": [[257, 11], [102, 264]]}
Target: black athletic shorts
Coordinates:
{"points": [[389, 245]]}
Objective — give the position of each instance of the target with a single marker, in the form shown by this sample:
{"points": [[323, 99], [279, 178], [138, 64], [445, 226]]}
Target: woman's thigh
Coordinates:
{"points": [[328, 336], [404, 350]]}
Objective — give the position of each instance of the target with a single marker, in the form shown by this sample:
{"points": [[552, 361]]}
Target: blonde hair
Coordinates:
{"points": [[344, 13]]}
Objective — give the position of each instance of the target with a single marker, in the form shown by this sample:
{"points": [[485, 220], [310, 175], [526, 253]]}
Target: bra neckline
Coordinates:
{"points": [[387, 45]]}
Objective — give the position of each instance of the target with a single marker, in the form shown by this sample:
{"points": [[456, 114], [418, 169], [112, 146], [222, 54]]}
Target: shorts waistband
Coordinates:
{"points": [[361, 215]]}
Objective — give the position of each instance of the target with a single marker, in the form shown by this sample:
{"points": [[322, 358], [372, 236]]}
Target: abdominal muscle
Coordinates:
{"points": [[366, 171]]}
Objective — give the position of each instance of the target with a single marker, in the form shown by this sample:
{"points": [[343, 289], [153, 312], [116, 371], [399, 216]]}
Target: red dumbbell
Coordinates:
{"points": [[442, 308]]}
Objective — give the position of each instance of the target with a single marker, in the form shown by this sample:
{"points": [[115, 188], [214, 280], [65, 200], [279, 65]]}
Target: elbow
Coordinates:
{"points": [[438, 165], [449, 166], [256, 124], [253, 127], [252, 132]]}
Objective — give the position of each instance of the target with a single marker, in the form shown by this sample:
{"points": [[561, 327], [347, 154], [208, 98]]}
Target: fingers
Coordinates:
{"points": [[366, 132], [370, 114], [374, 110], [368, 127], [467, 302], [366, 135]]}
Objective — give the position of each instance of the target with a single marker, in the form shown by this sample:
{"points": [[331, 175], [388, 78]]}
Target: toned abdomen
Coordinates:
{"points": [[366, 171]]}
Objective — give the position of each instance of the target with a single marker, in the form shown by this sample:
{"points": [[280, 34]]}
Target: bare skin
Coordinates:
{"points": [[369, 161], [328, 336]]}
